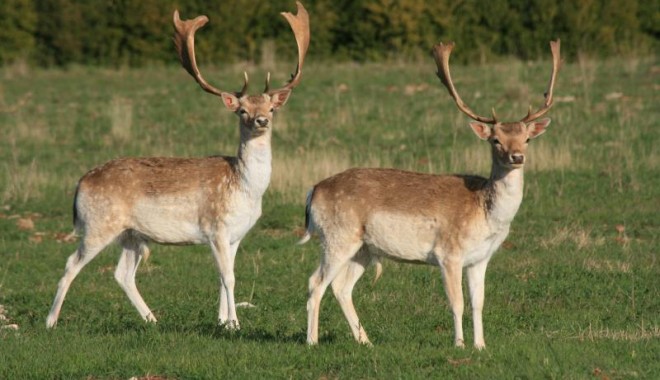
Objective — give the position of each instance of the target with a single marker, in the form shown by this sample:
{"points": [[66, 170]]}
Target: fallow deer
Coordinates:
{"points": [[453, 221], [214, 200]]}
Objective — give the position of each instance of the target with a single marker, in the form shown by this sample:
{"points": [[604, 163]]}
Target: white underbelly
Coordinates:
{"points": [[416, 238], [174, 220], [402, 237]]}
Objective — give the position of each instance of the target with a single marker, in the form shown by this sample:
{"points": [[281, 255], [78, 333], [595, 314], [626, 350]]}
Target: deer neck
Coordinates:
{"points": [[255, 163], [504, 193]]}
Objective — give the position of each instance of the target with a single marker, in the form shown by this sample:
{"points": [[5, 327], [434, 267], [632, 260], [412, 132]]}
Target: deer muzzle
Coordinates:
{"points": [[517, 159], [261, 122]]}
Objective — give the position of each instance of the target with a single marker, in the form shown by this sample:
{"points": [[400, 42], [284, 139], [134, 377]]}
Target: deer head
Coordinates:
{"points": [[255, 111], [508, 139]]}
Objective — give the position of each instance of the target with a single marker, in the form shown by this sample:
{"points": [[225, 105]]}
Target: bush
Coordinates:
{"points": [[134, 33]]}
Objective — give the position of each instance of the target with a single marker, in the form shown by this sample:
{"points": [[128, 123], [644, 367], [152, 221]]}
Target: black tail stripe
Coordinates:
{"points": [[308, 209], [75, 206]]}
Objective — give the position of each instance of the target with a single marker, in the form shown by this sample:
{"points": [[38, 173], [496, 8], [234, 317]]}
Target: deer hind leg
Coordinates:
{"points": [[334, 258], [89, 247], [133, 251], [222, 252], [223, 313], [476, 281], [452, 276], [342, 287]]}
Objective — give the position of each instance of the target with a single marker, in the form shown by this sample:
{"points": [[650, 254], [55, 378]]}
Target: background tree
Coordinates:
{"points": [[135, 33], [18, 19]]}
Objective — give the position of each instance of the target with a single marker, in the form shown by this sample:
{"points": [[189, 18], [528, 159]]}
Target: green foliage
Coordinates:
{"points": [[137, 33], [612, 26], [377, 29], [649, 17], [110, 32], [18, 20]]}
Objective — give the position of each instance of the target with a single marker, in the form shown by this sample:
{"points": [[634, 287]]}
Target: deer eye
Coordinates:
{"points": [[496, 141], [272, 109], [527, 142], [242, 111]]}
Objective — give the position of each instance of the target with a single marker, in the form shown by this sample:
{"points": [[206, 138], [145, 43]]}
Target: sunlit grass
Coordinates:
{"points": [[572, 293]]}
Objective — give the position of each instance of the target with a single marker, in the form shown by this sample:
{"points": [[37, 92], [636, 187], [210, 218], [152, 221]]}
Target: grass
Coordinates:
{"points": [[573, 292]]}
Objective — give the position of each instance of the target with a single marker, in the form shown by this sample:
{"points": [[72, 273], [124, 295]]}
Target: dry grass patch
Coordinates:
{"points": [[470, 159], [580, 236], [23, 182], [546, 156], [293, 175], [18, 105], [121, 118], [24, 123], [594, 265], [29, 129], [643, 333]]}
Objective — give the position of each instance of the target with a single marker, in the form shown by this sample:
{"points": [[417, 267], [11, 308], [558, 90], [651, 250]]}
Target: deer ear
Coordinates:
{"points": [[537, 128], [280, 97], [483, 131], [230, 101]]}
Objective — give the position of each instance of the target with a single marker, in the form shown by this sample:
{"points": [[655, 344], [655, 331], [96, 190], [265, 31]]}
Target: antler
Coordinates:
{"points": [[441, 53], [556, 61], [184, 40], [300, 26]]}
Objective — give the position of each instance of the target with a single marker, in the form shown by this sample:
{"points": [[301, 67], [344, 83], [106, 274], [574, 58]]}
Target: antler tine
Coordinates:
{"points": [[245, 85], [184, 41], [300, 26], [441, 53], [267, 83], [555, 47]]}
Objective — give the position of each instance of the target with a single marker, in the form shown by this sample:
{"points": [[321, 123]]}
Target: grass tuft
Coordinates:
{"points": [[121, 118]]}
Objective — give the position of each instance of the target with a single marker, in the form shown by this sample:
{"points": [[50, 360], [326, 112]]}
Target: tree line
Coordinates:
{"points": [[138, 32]]}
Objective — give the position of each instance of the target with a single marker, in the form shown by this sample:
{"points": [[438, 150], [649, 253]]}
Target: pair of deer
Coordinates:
{"points": [[361, 215]]}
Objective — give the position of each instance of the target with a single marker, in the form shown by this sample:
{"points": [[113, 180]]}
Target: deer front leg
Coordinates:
{"points": [[476, 281], [452, 273], [223, 314], [313, 303], [222, 252]]}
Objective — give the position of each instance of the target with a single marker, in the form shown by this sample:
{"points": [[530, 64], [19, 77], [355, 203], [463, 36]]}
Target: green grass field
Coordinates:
{"points": [[573, 293]]}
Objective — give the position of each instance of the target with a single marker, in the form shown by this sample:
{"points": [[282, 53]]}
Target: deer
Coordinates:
{"points": [[456, 221], [212, 200]]}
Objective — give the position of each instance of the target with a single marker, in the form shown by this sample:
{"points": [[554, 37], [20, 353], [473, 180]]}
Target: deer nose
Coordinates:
{"points": [[262, 121], [517, 158]]}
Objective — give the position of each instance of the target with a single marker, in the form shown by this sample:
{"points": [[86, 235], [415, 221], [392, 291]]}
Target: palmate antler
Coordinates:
{"points": [[555, 46], [441, 53], [184, 41], [300, 26]]}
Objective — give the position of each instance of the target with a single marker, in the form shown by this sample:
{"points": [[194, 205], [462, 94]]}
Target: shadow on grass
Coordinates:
{"points": [[199, 330], [247, 333]]}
